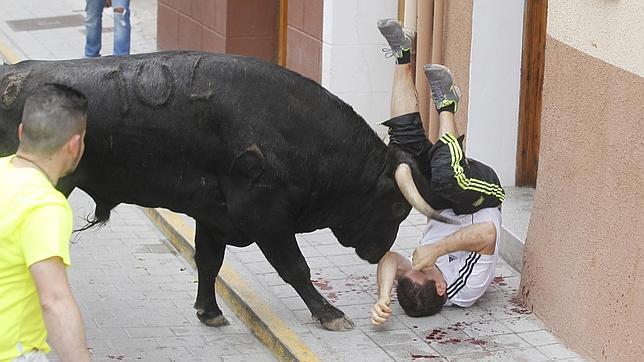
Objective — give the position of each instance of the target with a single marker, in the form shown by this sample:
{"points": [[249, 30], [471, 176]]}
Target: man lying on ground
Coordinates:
{"points": [[455, 263]]}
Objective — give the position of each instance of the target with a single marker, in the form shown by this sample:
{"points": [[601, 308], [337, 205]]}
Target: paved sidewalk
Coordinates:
{"points": [[497, 328], [137, 295]]}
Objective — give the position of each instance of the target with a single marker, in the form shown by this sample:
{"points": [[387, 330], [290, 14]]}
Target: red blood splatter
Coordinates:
{"points": [[332, 296], [498, 280], [477, 342], [519, 308], [451, 341], [321, 283]]}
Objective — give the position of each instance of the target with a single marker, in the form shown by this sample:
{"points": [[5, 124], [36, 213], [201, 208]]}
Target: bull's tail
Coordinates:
{"points": [[101, 216]]}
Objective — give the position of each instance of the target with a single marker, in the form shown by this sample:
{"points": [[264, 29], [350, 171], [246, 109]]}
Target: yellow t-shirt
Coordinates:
{"points": [[35, 224]]}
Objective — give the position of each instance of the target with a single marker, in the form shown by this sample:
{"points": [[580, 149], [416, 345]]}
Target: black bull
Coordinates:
{"points": [[252, 151]]}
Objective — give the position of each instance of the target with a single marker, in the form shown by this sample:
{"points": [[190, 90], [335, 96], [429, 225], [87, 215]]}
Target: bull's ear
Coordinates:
{"points": [[248, 164]]}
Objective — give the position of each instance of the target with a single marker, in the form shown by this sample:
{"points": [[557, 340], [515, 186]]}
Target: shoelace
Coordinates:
{"points": [[390, 53]]}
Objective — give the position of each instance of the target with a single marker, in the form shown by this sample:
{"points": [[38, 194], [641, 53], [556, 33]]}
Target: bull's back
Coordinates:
{"points": [[165, 127]]}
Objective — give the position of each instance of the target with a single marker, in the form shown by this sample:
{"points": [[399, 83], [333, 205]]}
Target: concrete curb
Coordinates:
{"points": [[249, 307], [8, 54]]}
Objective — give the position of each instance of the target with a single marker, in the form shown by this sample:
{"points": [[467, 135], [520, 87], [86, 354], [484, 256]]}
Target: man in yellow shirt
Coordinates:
{"points": [[36, 301]]}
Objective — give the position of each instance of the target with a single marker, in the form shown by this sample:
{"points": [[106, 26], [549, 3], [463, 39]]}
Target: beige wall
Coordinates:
{"points": [[583, 265], [611, 30]]}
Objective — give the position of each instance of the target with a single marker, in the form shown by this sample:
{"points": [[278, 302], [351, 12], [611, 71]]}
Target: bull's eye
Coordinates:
{"points": [[400, 209]]}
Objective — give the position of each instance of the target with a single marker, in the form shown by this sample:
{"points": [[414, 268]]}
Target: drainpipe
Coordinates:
{"points": [[436, 58], [281, 33], [426, 18], [424, 40], [410, 11]]}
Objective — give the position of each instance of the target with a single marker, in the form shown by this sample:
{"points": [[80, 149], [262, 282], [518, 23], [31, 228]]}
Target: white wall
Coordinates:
{"points": [[353, 65], [495, 79]]}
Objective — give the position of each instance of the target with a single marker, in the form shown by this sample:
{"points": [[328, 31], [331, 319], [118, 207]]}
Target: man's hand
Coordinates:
{"points": [[424, 257], [108, 3], [380, 311]]}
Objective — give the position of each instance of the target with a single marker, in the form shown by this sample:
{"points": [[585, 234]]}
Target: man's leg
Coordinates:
{"points": [[93, 24], [445, 95], [404, 98], [405, 127], [122, 27], [467, 184]]}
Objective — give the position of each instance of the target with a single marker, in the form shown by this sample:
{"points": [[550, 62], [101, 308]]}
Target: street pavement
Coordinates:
{"points": [[136, 293]]}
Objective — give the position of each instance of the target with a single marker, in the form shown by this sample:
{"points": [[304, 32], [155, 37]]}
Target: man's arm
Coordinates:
{"points": [[60, 311], [391, 267], [479, 238]]}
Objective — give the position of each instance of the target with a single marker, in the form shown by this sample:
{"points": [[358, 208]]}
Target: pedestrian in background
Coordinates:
{"points": [[36, 301], [94, 24]]}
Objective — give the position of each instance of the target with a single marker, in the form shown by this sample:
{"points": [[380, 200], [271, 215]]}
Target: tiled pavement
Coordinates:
{"points": [[497, 328], [137, 295]]}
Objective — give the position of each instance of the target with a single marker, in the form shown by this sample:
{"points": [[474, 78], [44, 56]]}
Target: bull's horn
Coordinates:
{"points": [[405, 182]]}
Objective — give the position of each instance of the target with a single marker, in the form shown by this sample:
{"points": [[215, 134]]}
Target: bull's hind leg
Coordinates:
{"points": [[209, 255], [290, 264]]}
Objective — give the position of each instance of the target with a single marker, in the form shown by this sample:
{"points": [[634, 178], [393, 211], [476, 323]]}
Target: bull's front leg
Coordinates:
{"points": [[209, 256], [288, 261]]}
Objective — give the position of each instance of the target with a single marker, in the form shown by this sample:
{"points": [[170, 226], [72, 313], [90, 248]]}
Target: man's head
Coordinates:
{"points": [[422, 293], [53, 123]]}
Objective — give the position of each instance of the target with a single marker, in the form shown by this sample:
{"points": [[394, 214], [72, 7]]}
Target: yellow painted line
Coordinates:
{"points": [[258, 316], [7, 53]]}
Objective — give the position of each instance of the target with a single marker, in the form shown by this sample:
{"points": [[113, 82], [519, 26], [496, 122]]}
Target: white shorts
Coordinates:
{"points": [[33, 356]]}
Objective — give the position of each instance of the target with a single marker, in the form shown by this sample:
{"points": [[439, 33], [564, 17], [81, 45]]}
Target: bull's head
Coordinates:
{"points": [[373, 228]]}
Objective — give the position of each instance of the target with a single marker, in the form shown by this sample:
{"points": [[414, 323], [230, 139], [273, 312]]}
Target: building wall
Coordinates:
{"points": [[223, 26], [304, 37], [495, 83], [353, 65], [583, 266]]}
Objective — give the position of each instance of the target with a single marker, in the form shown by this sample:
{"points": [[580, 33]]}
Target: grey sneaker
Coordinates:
{"points": [[444, 92], [399, 39]]}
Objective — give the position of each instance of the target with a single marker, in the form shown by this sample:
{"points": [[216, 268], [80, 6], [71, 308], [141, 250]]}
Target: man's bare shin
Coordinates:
{"points": [[447, 124], [404, 98]]}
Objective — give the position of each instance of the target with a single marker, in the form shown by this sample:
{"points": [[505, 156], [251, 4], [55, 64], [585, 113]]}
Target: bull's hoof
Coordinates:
{"points": [[213, 321], [341, 324]]}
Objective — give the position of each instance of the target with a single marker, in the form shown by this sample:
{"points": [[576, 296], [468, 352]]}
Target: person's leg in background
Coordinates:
{"points": [[93, 25], [122, 27]]}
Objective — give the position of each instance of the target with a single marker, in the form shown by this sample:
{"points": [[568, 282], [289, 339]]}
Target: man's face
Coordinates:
{"points": [[429, 274]]}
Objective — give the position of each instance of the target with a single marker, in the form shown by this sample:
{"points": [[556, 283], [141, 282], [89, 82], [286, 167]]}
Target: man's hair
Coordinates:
{"points": [[51, 116], [419, 300]]}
